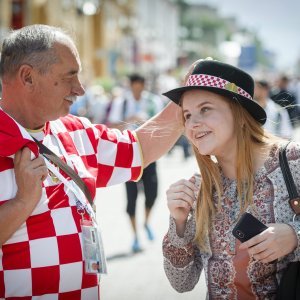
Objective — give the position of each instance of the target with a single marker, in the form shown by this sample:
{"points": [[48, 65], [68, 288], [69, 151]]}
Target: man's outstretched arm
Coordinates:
{"points": [[160, 133]]}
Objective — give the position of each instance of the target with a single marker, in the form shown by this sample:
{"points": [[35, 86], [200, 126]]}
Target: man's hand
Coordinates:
{"points": [[29, 177], [192, 67]]}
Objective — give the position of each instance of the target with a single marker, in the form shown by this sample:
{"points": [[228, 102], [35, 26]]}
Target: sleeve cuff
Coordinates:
{"points": [[188, 236]]}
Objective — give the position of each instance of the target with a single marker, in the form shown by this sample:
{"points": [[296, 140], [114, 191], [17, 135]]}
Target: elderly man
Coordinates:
{"points": [[47, 225]]}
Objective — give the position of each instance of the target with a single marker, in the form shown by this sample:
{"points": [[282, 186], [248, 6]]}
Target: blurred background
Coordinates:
{"points": [[159, 39], [115, 37]]}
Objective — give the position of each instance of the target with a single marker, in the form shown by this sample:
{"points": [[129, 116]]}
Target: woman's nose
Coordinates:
{"points": [[194, 121]]}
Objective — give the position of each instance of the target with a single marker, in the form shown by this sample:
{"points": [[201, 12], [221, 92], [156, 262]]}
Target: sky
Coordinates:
{"points": [[277, 23]]}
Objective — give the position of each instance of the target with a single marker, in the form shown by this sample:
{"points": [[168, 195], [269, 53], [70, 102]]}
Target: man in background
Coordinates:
{"points": [[278, 121], [130, 110]]}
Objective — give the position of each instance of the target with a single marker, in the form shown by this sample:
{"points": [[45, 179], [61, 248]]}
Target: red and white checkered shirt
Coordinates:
{"points": [[43, 259]]}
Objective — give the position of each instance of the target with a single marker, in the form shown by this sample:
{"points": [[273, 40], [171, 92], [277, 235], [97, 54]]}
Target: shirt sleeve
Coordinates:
{"points": [[119, 156], [159, 104], [116, 114], [286, 129], [182, 259]]}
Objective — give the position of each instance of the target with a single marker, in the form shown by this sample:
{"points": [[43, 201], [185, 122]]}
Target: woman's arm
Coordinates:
{"points": [[182, 258]]}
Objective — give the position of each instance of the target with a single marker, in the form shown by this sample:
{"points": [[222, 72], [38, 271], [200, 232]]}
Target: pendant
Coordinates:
{"points": [[54, 178]]}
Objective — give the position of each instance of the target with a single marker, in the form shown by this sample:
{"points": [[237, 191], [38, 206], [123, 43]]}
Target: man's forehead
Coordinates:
{"points": [[68, 53]]}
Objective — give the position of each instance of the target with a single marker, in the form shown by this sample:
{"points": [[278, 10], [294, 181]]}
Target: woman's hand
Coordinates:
{"points": [[275, 242], [181, 197]]}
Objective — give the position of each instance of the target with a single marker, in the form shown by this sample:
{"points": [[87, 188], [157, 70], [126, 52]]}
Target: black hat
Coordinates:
{"points": [[223, 79]]}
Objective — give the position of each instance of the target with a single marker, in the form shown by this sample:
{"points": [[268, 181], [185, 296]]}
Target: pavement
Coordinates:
{"points": [[141, 276]]}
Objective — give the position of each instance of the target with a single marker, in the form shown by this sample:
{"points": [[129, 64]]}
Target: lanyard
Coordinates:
{"points": [[77, 186], [71, 185]]}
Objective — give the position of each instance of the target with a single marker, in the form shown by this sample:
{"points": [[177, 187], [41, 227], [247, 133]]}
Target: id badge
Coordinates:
{"points": [[93, 251]]}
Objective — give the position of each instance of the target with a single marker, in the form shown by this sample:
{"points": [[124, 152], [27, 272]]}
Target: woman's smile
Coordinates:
{"points": [[202, 134]]}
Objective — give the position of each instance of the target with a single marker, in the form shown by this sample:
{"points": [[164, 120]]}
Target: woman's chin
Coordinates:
{"points": [[204, 151]]}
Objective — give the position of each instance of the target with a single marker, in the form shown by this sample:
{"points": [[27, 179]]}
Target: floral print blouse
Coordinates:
{"points": [[230, 273]]}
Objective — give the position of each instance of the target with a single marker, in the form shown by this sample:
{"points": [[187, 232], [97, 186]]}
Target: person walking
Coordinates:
{"points": [[282, 95], [239, 172], [51, 163], [278, 121], [134, 107]]}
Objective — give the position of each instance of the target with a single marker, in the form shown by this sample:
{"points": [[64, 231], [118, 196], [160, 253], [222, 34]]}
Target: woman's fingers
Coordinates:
{"points": [[182, 190], [276, 241]]}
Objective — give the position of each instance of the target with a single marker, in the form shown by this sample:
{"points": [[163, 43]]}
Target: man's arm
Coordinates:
{"points": [[160, 133], [13, 214], [29, 177]]}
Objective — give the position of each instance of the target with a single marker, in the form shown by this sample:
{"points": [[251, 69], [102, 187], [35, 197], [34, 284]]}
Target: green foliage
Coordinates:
{"points": [[106, 82]]}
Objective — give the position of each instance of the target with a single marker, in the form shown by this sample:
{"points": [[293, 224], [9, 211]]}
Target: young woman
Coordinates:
{"points": [[239, 171]]}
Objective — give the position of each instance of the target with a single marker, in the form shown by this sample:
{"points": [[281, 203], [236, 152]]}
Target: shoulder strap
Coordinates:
{"points": [[124, 108], [107, 112], [289, 181], [51, 156], [278, 124]]}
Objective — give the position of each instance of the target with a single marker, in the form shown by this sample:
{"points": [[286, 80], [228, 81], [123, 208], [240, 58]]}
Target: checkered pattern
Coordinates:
{"points": [[216, 82], [44, 256]]}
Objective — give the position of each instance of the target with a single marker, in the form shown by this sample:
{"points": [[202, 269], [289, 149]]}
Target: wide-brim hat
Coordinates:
{"points": [[223, 79]]}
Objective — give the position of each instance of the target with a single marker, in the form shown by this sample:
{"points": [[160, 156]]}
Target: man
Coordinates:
{"points": [[278, 121], [43, 214], [283, 96], [134, 107]]}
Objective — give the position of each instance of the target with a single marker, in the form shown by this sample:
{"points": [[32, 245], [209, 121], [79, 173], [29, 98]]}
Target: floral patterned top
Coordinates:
{"points": [[230, 273]]}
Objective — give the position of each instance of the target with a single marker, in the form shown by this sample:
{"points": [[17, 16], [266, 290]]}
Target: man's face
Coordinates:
{"points": [[137, 87], [56, 90], [260, 93]]}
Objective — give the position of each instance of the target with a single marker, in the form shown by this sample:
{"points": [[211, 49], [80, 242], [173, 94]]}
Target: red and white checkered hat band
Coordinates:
{"points": [[216, 82]]}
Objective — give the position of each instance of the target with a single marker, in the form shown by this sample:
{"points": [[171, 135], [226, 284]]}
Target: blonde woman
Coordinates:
{"points": [[239, 171]]}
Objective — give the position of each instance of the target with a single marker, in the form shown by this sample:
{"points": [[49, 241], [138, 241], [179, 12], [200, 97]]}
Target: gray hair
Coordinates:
{"points": [[32, 45]]}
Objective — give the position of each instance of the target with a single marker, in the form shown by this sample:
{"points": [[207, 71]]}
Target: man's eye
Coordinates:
{"points": [[186, 117]]}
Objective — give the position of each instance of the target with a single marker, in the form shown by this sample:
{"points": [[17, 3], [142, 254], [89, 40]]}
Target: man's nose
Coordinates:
{"points": [[78, 89]]}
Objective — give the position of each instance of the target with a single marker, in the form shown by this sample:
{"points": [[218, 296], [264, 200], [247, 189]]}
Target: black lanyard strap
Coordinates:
{"points": [[51, 156]]}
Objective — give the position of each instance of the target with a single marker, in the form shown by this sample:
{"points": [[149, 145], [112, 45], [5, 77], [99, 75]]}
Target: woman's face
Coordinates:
{"points": [[209, 123]]}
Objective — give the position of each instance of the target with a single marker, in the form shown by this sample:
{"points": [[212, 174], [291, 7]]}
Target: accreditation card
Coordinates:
{"points": [[93, 251]]}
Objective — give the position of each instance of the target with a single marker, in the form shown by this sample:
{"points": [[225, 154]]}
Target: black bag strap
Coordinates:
{"points": [[294, 200], [51, 156]]}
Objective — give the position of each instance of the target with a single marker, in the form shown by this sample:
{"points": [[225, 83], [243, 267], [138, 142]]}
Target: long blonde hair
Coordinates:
{"points": [[248, 132]]}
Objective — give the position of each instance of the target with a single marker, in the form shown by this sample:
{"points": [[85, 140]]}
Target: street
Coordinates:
{"points": [[141, 276]]}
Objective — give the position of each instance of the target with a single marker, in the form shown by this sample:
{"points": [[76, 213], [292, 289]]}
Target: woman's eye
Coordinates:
{"points": [[204, 109]]}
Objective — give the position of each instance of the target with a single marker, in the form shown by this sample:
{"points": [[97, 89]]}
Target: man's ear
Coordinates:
{"points": [[25, 75]]}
